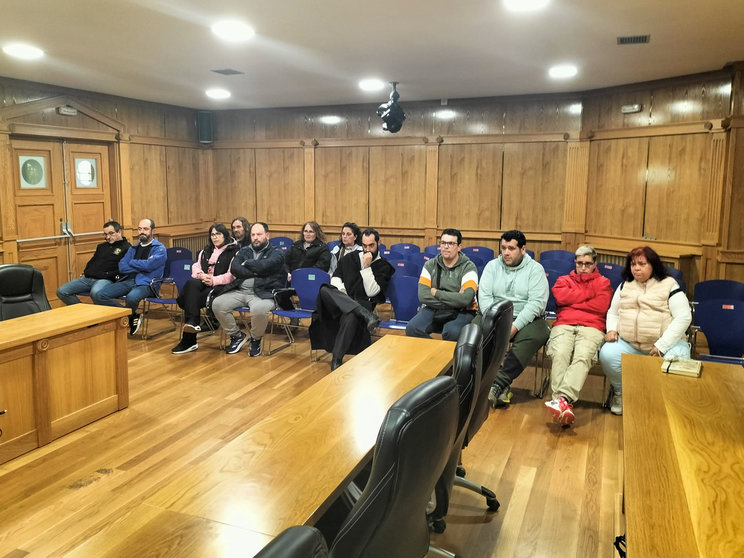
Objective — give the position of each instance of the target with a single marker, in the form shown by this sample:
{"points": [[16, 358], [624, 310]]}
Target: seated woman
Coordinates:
{"points": [[582, 298], [350, 241], [309, 251], [211, 268], [649, 315]]}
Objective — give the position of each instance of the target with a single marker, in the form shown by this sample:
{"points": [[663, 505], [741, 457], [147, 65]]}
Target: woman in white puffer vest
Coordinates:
{"points": [[649, 315]]}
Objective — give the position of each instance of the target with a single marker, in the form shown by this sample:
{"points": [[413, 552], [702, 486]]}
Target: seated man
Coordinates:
{"points": [[515, 276], [582, 298], [344, 320], [101, 270], [141, 265], [258, 269], [446, 288]]}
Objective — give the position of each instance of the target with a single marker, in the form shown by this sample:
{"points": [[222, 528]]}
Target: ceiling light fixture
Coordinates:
{"points": [[371, 84], [233, 31], [525, 5], [217, 93], [563, 71], [23, 51], [330, 119]]}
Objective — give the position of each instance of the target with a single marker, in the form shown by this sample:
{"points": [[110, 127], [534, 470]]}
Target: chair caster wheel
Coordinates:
{"points": [[438, 525]]}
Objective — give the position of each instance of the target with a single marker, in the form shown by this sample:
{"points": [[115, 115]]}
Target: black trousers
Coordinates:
{"points": [[192, 298]]}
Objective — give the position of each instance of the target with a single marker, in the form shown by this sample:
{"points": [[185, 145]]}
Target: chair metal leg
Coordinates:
{"points": [[491, 501], [287, 331], [441, 552]]}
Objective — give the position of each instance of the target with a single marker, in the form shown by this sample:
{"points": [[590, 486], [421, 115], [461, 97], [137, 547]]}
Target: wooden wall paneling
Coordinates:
{"points": [[280, 189], [309, 182], [733, 238], [235, 184], [341, 185], [533, 186], [8, 224], [470, 186], [577, 176], [186, 202], [149, 192], [541, 114], [397, 186], [712, 230], [677, 187], [615, 194], [431, 204]]}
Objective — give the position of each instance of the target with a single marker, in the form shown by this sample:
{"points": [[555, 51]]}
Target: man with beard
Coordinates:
{"points": [[101, 270], [344, 320], [515, 276], [141, 265], [240, 231], [258, 269]]}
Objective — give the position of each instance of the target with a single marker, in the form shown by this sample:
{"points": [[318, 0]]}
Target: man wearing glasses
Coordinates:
{"points": [[446, 288], [101, 269], [515, 276], [583, 298]]}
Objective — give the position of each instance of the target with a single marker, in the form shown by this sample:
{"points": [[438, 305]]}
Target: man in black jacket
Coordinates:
{"points": [[344, 320], [101, 269], [258, 269]]}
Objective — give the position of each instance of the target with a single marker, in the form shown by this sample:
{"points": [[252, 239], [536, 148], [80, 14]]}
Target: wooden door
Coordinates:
{"points": [[62, 198]]}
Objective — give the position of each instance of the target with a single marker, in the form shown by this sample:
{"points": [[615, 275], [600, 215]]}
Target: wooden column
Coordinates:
{"points": [[712, 214], [309, 152], [432, 192], [573, 229]]}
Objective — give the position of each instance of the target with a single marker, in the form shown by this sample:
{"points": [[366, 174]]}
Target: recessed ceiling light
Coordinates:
{"points": [[563, 71], [233, 30], [330, 119], [23, 51], [218, 93], [371, 84], [445, 114], [525, 5]]}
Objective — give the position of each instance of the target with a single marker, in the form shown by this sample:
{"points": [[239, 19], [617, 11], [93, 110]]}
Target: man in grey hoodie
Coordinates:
{"points": [[515, 276]]}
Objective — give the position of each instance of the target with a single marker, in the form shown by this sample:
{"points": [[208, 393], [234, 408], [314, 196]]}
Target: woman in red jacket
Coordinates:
{"points": [[582, 299]]}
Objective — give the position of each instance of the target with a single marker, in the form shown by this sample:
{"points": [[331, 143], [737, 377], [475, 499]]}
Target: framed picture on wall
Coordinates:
{"points": [[86, 172], [33, 171]]}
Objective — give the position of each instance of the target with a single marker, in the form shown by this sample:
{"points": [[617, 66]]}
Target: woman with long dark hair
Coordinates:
{"points": [[350, 241], [211, 268], [309, 250], [649, 315]]}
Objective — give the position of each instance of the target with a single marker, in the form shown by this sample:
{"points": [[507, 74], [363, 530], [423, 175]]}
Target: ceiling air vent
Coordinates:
{"points": [[634, 40], [228, 72]]}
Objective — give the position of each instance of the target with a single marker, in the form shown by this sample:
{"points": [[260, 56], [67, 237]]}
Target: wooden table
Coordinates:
{"points": [[288, 468], [684, 460], [60, 370]]}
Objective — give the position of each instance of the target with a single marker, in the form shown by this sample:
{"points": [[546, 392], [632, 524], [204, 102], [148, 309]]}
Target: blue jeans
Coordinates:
{"points": [[422, 324], [109, 295], [68, 292], [611, 353]]}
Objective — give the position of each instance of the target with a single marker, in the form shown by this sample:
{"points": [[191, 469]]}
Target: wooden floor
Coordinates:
{"points": [[558, 487]]}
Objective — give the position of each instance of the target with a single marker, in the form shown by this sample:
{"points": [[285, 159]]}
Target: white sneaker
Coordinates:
{"points": [[616, 405]]}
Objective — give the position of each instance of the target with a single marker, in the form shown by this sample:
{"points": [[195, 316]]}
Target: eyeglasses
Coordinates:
{"points": [[216, 234], [584, 264], [448, 244]]}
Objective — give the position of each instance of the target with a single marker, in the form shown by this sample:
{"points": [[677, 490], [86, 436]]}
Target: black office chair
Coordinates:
{"points": [[467, 374], [21, 291], [496, 329], [300, 541], [413, 446]]}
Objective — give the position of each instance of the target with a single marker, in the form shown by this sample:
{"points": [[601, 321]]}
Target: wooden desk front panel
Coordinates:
{"points": [[60, 370], [684, 460]]}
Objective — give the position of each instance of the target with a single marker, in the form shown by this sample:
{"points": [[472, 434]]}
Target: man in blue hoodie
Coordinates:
{"points": [[515, 276], [143, 263]]}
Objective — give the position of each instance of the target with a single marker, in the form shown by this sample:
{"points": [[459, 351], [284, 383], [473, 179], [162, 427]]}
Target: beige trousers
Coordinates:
{"points": [[573, 350]]}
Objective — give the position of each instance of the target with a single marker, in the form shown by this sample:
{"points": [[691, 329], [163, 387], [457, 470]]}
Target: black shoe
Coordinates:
{"points": [[184, 347], [255, 349], [371, 321], [236, 343], [135, 323], [336, 362]]}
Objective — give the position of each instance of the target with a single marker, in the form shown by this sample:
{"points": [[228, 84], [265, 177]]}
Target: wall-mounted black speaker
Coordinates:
{"points": [[204, 126]]}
